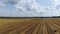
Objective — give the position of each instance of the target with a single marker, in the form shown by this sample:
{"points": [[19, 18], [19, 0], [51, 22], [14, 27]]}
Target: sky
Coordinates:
{"points": [[29, 8], [45, 2]]}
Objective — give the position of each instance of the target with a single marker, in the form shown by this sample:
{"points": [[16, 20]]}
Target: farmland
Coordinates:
{"points": [[30, 26]]}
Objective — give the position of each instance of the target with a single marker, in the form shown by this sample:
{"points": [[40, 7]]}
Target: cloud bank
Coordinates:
{"points": [[34, 9], [29, 8]]}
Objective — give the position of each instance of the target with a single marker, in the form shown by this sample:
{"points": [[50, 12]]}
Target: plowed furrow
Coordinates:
{"points": [[37, 29], [40, 30], [50, 31], [11, 29], [31, 30], [17, 31]]}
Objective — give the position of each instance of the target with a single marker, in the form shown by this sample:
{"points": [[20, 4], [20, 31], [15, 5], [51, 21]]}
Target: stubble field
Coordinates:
{"points": [[30, 26]]}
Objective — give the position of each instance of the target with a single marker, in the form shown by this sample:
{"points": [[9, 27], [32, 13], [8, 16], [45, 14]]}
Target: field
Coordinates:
{"points": [[30, 26]]}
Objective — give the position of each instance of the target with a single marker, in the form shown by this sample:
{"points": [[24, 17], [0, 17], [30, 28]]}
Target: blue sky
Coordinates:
{"points": [[9, 9]]}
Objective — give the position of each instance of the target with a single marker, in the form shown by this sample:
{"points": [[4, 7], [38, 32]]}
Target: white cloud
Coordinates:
{"points": [[56, 2], [30, 5], [30, 8], [33, 8], [1, 4]]}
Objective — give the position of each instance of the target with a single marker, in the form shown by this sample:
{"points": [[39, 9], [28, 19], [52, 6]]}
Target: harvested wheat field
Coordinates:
{"points": [[30, 26]]}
